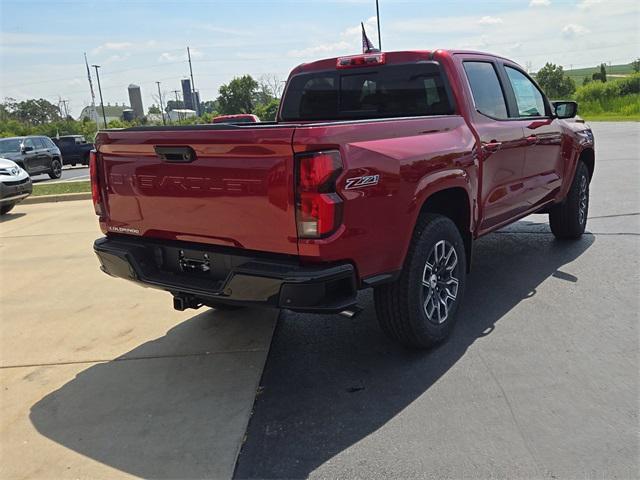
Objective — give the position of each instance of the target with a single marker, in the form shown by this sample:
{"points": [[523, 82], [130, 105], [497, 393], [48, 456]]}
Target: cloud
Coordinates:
{"points": [[349, 42], [178, 57], [572, 30], [112, 46], [585, 4], [539, 3], [488, 20]]}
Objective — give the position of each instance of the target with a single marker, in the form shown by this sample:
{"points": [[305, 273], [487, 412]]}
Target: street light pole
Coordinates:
{"points": [[161, 105], [104, 116]]}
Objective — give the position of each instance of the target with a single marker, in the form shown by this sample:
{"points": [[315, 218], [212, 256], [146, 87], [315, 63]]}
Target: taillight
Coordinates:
{"points": [[95, 186], [318, 206], [365, 60]]}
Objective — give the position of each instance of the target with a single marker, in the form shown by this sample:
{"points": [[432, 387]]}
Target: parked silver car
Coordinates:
{"points": [[15, 185]]}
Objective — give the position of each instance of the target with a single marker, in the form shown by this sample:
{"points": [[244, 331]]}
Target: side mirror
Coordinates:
{"points": [[565, 109], [26, 149]]}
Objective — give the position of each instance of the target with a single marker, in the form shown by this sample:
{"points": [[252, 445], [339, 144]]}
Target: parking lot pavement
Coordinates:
{"points": [[539, 380], [103, 379]]}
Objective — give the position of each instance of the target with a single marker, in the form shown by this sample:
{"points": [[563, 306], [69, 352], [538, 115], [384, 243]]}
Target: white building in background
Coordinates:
{"points": [[181, 114], [112, 112]]}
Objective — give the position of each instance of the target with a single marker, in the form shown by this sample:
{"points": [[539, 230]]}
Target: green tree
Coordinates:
{"points": [[554, 82], [601, 75], [238, 96], [586, 80], [173, 105], [35, 112], [154, 109], [267, 112], [636, 65]]}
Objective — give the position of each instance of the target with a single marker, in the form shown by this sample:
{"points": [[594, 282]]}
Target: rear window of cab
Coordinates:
{"points": [[406, 90]]}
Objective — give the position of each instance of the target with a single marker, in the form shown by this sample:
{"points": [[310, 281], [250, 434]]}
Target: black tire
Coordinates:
{"points": [[56, 169], [569, 218], [402, 306], [6, 208]]}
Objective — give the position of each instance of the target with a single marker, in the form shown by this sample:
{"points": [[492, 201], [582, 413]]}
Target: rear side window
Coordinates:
{"points": [[387, 91], [486, 89], [39, 141], [528, 98]]}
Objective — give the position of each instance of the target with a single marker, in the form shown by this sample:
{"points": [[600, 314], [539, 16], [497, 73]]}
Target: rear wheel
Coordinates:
{"points": [[569, 218], [6, 208], [56, 169], [419, 309]]}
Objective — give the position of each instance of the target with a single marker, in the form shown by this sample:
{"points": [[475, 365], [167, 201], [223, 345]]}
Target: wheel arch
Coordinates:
{"points": [[452, 200], [588, 156]]}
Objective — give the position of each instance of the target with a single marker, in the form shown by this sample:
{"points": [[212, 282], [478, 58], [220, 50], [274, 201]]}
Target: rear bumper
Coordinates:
{"points": [[231, 276]]}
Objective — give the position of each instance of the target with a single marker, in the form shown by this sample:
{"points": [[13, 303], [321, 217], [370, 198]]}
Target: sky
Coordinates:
{"points": [[144, 41]]}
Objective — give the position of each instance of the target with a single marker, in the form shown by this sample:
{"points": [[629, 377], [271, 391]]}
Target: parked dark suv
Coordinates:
{"points": [[74, 149], [34, 153]]}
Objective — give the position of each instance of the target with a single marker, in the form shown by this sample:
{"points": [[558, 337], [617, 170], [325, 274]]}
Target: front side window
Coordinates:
{"points": [[528, 98], [486, 89], [28, 142]]}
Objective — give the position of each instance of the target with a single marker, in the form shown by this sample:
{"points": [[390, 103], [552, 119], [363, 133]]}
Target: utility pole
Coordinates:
{"points": [[177, 102], [378, 22], [104, 116], [193, 87], [161, 105]]}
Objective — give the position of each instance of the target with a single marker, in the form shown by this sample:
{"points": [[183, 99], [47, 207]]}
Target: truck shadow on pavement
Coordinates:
{"points": [[329, 382]]}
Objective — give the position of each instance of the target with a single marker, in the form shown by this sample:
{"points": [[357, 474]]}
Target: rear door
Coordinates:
{"points": [[235, 189]]}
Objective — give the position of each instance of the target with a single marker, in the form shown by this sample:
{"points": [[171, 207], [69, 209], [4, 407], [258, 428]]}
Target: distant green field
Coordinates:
{"points": [[578, 74]]}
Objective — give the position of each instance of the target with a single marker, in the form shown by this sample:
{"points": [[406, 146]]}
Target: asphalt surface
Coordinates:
{"points": [[69, 174], [539, 380]]}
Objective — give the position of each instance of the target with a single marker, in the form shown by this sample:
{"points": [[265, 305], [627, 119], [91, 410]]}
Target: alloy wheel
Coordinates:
{"points": [[439, 282]]}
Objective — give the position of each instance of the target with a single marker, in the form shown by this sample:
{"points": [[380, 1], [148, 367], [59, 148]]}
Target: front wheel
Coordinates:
{"points": [[569, 218], [56, 169], [419, 309]]}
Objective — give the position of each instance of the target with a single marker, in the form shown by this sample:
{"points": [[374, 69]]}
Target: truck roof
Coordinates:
{"points": [[400, 56]]}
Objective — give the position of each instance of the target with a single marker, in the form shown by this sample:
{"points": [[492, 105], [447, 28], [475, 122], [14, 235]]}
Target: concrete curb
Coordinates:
{"points": [[63, 197]]}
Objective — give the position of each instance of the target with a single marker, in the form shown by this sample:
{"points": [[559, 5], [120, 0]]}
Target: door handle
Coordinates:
{"points": [[175, 154], [492, 146], [531, 140]]}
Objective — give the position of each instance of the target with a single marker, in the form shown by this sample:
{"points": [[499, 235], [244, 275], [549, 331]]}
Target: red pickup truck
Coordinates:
{"points": [[380, 171]]}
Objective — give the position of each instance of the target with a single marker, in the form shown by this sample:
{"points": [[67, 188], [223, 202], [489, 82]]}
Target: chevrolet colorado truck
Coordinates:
{"points": [[380, 171]]}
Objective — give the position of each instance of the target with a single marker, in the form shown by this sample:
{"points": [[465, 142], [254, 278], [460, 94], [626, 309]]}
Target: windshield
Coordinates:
{"points": [[10, 145], [360, 93]]}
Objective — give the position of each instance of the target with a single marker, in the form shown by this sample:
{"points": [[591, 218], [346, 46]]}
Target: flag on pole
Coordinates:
{"points": [[93, 96], [367, 46]]}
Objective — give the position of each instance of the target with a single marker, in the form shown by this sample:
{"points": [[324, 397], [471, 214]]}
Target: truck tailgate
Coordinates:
{"points": [[237, 190]]}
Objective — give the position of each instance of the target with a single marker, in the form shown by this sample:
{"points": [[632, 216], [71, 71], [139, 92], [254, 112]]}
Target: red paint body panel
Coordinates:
{"points": [[240, 192]]}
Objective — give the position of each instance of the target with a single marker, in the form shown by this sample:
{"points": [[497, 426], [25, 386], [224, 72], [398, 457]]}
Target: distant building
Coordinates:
{"points": [[187, 94], [112, 112], [196, 97], [135, 99], [180, 114]]}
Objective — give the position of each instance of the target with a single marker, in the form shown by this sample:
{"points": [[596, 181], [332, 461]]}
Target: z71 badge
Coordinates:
{"points": [[361, 182]]}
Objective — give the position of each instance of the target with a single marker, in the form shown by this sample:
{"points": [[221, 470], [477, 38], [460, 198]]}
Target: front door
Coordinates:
{"points": [[543, 165], [502, 152], [30, 156]]}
